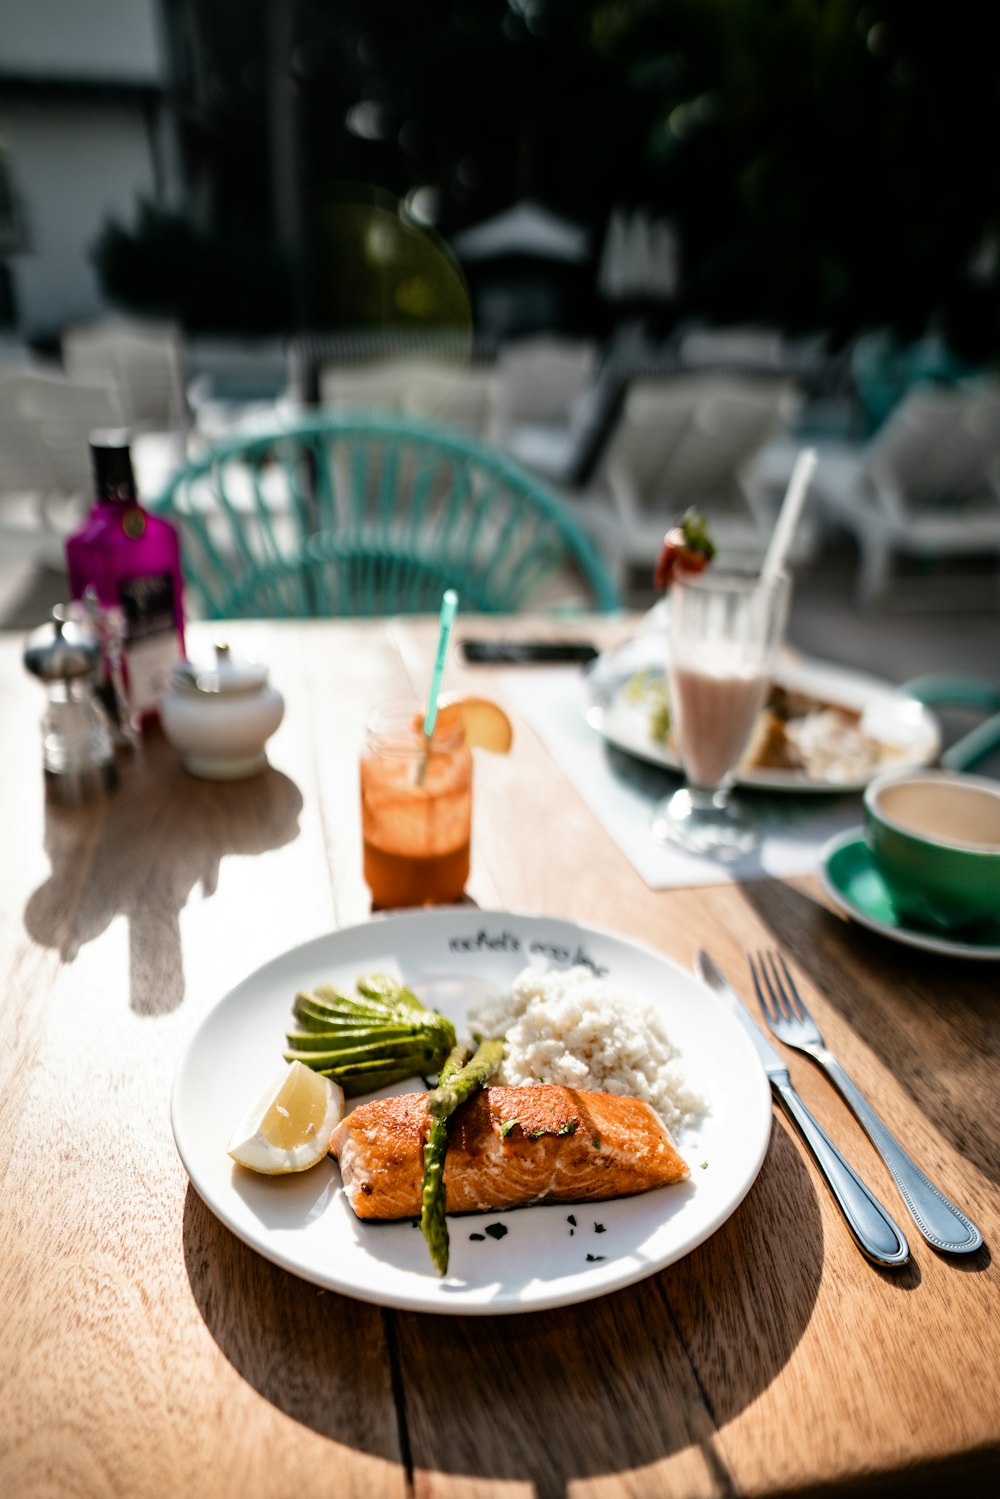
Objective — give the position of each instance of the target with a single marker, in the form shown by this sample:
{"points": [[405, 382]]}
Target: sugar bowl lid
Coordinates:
{"points": [[62, 650], [230, 676]]}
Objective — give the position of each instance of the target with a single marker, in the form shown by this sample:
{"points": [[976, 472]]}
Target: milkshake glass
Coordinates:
{"points": [[723, 632]]}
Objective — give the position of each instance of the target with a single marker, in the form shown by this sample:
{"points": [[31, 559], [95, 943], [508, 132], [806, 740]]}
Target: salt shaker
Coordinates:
{"points": [[77, 741]]}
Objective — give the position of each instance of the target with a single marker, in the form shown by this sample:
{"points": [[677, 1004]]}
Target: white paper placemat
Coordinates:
{"points": [[622, 791]]}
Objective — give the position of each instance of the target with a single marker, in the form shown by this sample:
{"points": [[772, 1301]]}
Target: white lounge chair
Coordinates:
{"points": [[744, 346], [377, 385], [142, 361], [541, 380], [449, 393], [45, 480], [685, 441], [924, 486], [460, 397]]}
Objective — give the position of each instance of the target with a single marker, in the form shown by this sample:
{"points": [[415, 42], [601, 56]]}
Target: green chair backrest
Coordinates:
{"points": [[360, 515], [955, 690]]}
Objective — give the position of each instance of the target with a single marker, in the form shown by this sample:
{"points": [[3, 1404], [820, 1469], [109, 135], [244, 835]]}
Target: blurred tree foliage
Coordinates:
{"points": [[205, 279], [826, 163], [829, 163]]}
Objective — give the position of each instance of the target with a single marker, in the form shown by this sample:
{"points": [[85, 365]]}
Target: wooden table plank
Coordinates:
{"points": [[570, 1399]]}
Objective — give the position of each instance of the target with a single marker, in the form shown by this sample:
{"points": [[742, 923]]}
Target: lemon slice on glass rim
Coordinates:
{"points": [[289, 1126]]}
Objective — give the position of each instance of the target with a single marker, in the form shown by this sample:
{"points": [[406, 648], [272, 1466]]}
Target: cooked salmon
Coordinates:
{"points": [[507, 1147]]}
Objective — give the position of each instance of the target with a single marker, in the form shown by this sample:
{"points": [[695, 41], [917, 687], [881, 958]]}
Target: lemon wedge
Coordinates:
{"points": [[485, 723], [289, 1127]]}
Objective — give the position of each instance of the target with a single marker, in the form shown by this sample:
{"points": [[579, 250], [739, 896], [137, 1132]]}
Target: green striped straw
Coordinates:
{"points": [[449, 608]]}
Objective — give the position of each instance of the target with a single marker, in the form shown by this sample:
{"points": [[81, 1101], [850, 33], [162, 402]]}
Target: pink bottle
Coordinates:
{"points": [[132, 560]]}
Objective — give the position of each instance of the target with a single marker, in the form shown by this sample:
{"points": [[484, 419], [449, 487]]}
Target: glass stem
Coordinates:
{"points": [[708, 798]]}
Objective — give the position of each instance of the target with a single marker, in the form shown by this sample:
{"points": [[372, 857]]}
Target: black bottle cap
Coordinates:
{"points": [[114, 481]]}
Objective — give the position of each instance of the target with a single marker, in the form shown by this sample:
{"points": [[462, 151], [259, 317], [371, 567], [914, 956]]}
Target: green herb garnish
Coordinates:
{"points": [[507, 1126], [569, 1128], [593, 1258], [496, 1230]]}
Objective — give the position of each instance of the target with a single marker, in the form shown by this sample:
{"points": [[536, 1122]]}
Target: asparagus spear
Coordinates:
{"points": [[456, 1083], [461, 1085], [433, 1223]]}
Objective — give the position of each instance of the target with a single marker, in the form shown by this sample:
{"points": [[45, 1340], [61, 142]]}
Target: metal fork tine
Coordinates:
{"points": [[756, 983], [777, 988], [793, 998], [777, 1009]]}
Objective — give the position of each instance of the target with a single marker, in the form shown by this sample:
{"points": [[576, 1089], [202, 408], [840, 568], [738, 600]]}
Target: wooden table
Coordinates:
{"points": [[147, 1352]]}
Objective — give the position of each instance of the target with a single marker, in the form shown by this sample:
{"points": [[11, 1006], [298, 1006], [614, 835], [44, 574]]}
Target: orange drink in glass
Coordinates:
{"points": [[416, 808]]}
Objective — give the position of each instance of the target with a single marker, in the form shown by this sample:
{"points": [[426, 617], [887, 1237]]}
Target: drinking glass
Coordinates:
{"points": [[416, 808], [723, 632]]}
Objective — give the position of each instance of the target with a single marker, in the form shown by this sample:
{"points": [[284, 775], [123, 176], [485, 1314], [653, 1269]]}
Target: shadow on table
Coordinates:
{"points": [[604, 1387], [319, 1358], [960, 1064], [141, 854]]}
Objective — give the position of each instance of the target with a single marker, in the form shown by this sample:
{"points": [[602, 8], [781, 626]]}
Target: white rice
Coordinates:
{"points": [[572, 1029]]}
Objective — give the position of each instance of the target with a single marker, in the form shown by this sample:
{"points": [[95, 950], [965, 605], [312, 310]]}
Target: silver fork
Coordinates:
{"points": [[940, 1221]]}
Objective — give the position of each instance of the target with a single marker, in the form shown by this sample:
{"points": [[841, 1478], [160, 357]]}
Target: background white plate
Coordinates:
{"points": [[886, 714], [455, 958]]}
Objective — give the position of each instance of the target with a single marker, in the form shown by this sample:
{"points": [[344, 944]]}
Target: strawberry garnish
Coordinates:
{"points": [[686, 548]]}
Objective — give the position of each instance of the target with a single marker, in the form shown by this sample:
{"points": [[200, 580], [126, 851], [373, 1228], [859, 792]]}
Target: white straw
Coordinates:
{"points": [[791, 508]]}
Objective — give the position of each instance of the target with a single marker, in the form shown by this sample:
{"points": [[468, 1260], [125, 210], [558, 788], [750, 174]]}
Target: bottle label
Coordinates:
{"points": [[151, 643], [134, 522]]}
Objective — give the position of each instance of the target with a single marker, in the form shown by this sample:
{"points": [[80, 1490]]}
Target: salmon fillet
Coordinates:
{"points": [[507, 1147]]}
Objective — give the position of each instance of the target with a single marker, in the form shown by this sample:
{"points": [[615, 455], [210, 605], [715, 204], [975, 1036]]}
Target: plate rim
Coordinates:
{"points": [[907, 936], [764, 780], [422, 1302]]}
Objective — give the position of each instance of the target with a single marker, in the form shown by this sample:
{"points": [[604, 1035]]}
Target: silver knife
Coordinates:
{"points": [[878, 1235]]}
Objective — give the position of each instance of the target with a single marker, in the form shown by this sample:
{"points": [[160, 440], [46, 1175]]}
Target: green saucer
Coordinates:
{"points": [[853, 883]]}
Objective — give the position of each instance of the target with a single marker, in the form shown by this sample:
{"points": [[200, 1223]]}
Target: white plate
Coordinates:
{"points": [[887, 714], [455, 958]]}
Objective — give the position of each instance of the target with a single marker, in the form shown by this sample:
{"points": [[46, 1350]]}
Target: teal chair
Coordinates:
{"points": [[340, 514], [953, 690]]}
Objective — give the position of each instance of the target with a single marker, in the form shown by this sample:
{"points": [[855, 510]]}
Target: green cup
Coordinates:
{"points": [[935, 839]]}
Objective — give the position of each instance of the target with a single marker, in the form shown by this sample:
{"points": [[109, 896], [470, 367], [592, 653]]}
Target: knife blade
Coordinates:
{"points": [[710, 975], [877, 1234]]}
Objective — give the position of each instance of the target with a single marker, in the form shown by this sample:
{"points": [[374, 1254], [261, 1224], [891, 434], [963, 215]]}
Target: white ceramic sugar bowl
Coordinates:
{"points": [[220, 717]]}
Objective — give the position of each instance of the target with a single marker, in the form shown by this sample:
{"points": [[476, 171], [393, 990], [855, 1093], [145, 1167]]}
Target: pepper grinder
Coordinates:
{"points": [[77, 741], [108, 627]]}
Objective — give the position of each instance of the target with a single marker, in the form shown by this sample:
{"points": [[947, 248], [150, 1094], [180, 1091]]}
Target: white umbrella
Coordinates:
{"points": [[611, 281], [664, 260], [525, 229]]}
